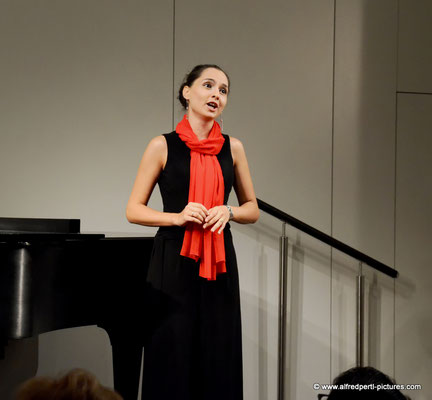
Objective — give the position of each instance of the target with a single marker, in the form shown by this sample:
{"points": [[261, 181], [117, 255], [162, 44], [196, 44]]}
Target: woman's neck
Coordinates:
{"points": [[200, 126]]}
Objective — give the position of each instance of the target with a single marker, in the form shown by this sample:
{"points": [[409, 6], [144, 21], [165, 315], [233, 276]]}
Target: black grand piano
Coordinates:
{"points": [[54, 277]]}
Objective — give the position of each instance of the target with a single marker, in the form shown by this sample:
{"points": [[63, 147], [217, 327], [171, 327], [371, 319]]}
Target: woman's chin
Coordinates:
{"points": [[207, 116]]}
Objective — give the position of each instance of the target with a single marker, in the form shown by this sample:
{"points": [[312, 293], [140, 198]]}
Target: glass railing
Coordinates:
{"points": [[334, 307]]}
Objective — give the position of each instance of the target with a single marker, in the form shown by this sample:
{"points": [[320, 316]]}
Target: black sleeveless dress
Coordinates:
{"points": [[193, 348]]}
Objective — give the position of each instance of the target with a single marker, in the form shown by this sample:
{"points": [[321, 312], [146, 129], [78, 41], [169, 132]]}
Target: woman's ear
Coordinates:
{"points": [[186, 91]]}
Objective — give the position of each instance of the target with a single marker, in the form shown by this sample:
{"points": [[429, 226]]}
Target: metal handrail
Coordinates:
{"points": [[323, 237]]}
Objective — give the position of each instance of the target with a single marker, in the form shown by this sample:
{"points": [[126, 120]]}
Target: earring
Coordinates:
{"points": [[221, 123]]}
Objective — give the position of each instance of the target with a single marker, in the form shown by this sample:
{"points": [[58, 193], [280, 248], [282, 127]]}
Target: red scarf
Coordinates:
{"points": [[206, 186]]}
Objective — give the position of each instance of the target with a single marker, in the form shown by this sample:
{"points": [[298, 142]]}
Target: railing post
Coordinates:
{"points": [[360, 318], [283, 263]]}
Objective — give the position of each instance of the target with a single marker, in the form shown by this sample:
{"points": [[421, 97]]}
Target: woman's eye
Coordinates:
{"points": [[207, 84], [223, 91]]}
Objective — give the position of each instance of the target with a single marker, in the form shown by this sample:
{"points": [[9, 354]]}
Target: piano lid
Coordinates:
{"points": [[41, 225]]}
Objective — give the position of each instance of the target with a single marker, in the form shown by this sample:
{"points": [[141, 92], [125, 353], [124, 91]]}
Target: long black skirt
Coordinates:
{"points": [[193, 348]]}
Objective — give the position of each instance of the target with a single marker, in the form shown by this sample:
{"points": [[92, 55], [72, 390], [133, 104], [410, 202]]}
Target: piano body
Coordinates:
{"points": [[53, 277]]}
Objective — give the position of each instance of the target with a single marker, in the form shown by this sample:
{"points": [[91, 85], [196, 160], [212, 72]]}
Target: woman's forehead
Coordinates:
{"points": [[214, 74]]}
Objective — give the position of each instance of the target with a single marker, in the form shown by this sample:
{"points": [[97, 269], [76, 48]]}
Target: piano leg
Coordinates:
{"points": [[16, 284]]}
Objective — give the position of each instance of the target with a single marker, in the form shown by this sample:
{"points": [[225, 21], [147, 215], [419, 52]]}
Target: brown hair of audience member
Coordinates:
{"points": [[75, 385]]}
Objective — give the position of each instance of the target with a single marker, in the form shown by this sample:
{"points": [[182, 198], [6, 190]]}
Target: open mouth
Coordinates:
{"points": [[212, 105]]}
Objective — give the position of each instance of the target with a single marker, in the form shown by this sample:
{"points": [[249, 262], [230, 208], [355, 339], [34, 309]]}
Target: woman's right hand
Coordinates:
{"points": [[193, 212]]}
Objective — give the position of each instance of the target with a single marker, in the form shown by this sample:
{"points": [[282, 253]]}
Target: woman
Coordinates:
{"points": [[193, 349]]}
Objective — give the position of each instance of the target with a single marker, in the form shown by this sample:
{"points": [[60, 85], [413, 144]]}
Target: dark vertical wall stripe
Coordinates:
{"points": [[173, 60]]}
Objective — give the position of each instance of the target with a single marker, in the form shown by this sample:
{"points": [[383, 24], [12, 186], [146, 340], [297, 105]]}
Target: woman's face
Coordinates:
{"points": [[208, 94]]}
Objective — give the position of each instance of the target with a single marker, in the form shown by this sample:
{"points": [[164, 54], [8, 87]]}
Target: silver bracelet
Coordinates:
{"points": [[231, 215]]}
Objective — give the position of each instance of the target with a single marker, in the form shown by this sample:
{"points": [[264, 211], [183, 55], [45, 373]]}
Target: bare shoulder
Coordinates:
{"points": [[158, 143], [237, 149], [236, 144], [156, 152]]}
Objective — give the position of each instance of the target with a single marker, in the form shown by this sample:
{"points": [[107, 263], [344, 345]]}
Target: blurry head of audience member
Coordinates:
{"points": [[75, 385], [365, 383]]}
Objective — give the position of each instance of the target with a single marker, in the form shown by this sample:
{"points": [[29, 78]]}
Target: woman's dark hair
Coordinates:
{"points": [[192, 76]]}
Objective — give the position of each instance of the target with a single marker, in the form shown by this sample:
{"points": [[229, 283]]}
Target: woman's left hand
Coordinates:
{"points": [[218, 217]]}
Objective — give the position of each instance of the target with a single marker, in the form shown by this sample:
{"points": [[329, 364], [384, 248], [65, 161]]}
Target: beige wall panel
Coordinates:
{"points": [[279, 57], [415, 46], [85, 85], [364, 126], [413, 239]]}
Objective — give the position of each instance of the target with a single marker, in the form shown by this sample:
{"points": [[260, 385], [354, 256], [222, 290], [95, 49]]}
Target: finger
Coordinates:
{"points": [[211, 220], [222, 227], [203, 208], [200, 206], [192, 214], [212, 214], [197, 213], [217, 225], [189, 218]]}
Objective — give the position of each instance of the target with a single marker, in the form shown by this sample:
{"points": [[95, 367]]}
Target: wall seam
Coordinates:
{"points": [[395, 185], [394, 238], [332, 187], [173, 63]]}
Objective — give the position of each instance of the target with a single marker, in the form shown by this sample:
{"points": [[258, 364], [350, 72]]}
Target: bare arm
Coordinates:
{"points": [[152, 163], [137, 211], [247, 212]]}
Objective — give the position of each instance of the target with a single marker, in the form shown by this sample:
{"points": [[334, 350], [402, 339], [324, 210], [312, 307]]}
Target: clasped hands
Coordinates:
{"points": [[216, 217]]}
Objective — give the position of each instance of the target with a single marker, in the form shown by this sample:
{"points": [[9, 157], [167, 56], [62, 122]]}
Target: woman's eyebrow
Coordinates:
{"points": [[210, 79]]}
